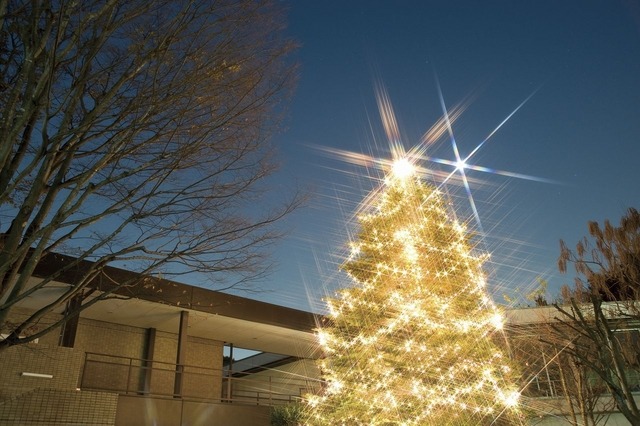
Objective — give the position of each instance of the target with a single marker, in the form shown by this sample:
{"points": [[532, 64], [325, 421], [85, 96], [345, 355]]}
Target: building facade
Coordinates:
{"points": [[155, 354]]}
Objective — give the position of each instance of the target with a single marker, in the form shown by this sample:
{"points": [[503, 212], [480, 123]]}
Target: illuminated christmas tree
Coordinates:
{"points": [[414, 340]]}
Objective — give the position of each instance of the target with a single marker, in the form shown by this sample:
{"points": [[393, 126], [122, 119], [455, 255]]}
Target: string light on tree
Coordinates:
{"points": [[414, 340]]}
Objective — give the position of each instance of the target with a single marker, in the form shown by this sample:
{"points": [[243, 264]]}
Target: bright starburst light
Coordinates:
{"points": [[419, 152], [402, 168], [417, 286], [460, 164], [414, 270]]}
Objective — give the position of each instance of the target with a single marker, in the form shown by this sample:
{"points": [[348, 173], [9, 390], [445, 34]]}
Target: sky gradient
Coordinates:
{"points": [[578, 64]]}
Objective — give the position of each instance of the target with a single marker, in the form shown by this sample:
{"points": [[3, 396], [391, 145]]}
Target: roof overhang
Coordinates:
{"points": [[151, 302]]}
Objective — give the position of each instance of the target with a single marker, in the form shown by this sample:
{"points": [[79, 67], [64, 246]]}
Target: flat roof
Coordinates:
{"points": [[152, 302]]}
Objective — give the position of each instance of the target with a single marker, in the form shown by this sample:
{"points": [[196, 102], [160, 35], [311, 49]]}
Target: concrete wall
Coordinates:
{"points": [[615, 419], [552, 411], [135, 411]]}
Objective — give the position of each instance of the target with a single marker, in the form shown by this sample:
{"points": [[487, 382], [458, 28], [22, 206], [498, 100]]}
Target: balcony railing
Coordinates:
{"points": [[154, 378]]}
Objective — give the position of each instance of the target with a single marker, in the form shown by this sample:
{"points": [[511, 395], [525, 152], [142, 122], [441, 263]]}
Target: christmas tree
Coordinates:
{"points": [[414, 340]]}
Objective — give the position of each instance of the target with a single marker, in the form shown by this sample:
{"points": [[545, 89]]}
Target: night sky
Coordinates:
{"points": [[579, 132]]}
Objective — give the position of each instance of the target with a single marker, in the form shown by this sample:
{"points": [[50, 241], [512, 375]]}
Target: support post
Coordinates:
{"points": [[148, 365], [70, 326], [181, 355], [230, 372]]}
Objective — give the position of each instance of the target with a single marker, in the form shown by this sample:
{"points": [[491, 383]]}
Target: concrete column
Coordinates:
{"points": [[230, 374], [181, 355], [70, 326], [149, 356]]}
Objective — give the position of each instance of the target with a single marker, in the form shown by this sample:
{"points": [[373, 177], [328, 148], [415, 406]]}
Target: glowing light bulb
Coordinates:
{"points": [[497, 321], [511, 399], [403, 168]]}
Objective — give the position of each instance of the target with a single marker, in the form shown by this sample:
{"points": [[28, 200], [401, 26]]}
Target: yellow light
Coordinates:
{"points": [[403, 168], [334, 386], [323, 337], [511, 399], [497, 321], [393, 316]]}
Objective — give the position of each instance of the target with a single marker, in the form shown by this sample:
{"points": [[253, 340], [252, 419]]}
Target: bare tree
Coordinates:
{"points": [[582, 395], [608, 265], [600, 317], [548, 371], [136, 133], [585, 394]]}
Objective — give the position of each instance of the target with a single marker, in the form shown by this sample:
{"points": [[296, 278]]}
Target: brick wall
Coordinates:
{"points": [[163, 375], [20, 314], [57, 406], [62, 363], [203, 382], [111, 339], [111, 373], [202, 377], [28, 400], [20, 395], [131, 342]]}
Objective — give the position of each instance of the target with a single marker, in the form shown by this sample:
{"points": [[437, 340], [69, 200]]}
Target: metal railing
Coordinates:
{"points": [[547, 382], [133, 376]]}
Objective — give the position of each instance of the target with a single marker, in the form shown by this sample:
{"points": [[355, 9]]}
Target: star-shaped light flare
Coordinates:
{"points": [[418, 153], [460, 164]]}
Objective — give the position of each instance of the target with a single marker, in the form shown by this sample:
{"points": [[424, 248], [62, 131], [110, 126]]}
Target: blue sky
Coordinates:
{"points": [[581, 127]]}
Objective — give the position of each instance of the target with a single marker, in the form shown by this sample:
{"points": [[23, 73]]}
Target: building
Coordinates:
{"points": [[153, 354], [557, 389]]}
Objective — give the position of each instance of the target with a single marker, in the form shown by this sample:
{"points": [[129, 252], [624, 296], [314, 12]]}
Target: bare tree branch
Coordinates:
{"points": [[138, 133], [600, 315]]}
